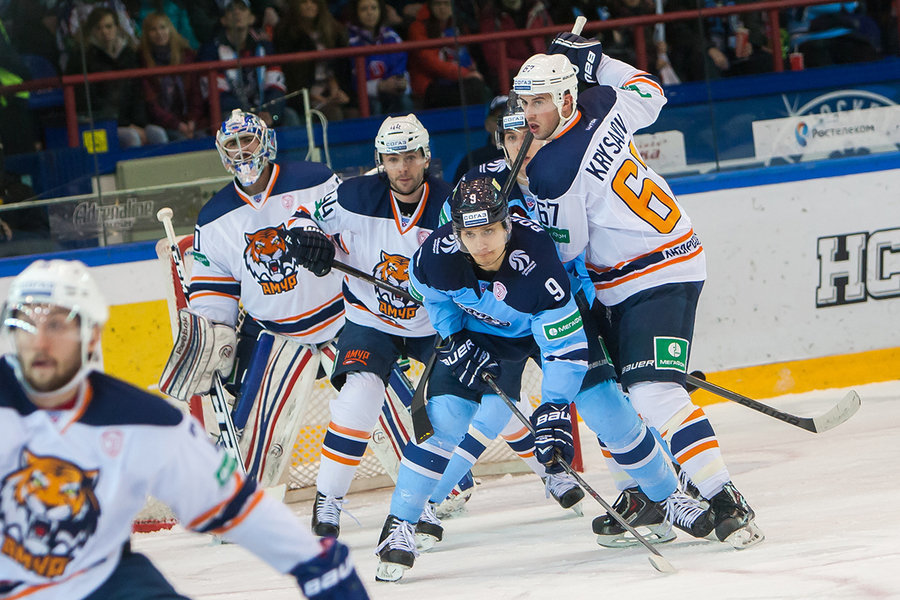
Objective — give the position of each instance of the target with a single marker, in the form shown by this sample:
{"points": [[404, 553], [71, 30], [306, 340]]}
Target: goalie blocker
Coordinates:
{"points": [[202, 348]]}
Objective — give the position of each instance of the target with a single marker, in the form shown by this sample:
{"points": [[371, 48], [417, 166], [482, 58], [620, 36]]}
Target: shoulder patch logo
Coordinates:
{"points": [[499, 291], [521, 262], [48, 511], [267, 259]]}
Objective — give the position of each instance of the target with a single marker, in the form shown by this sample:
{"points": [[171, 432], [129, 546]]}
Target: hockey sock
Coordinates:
{"points": [[619, 475], [668, 407], [421, 469], [353, 416], [645, 461]]}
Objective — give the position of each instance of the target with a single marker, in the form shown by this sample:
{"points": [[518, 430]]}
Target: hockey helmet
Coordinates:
{"points": [[513, 118], [548, 74], [246, 145], [401, 134], [476, 202], [56, 283]]}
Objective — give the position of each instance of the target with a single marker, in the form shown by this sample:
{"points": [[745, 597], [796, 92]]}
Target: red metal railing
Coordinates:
{"points": [[210, 70]]}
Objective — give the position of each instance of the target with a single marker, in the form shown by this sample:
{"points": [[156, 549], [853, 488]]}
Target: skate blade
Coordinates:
{"points": [[389, 572], [746, 536], [660, 534], [577, 509], [425, 542]]}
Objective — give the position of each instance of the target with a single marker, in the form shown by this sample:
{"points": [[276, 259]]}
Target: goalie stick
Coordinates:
{"points": [[845, 408], [227, 432], [658, 561]]}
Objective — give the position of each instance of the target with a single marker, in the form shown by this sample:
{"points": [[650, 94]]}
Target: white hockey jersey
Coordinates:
{"points": [[72, 481], [363, 215], [240, 254], [595, 193]]}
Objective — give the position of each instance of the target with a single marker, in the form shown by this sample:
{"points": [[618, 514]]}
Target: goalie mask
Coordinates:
{"points": [[477, 202], [548, 74], [44, 300], [246, 146]]}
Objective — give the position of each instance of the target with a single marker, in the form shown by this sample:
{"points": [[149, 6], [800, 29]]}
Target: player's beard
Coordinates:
{"points": [[410, 187]]}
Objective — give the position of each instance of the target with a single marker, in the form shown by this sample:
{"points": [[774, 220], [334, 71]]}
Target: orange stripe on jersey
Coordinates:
{"points": [[363, 307], [272, 178], [651, 269], [606, 453], [340, 459], [646, 80], [695, 450], [324, 324], [211, 278], [206, 516], [255, 499], [514, 437], [204, 293], [88, 395], [357, 433], [420, 210], [572, 124], [309, 312], [683, 238]]}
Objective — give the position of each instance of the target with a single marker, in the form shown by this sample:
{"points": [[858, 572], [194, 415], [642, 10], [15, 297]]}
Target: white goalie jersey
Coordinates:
{"points": [[240, 254], [595, 192]]}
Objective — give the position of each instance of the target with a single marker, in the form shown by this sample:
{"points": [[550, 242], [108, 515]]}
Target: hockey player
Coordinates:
{"points": [[379, 220], [80, 451], [241, 256], [497, 294], [561, 486], [596, 195]]}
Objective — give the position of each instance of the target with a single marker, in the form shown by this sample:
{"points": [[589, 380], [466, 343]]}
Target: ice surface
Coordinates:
{"points": [[828, 504]]}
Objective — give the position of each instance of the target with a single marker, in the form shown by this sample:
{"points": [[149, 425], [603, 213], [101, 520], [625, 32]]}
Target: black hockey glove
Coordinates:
{"points": [[313, 250], [552, 432], [330, 575], [585, 54], [468, 362]]}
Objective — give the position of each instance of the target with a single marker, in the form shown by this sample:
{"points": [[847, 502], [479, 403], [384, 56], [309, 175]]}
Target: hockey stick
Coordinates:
{"points": [[390, 287], [658, 561], [227, 432], [840, 412]]}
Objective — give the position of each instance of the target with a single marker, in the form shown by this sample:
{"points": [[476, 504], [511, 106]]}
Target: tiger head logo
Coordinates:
{"points": [[268, 260], [394, 269], [48, 510]]}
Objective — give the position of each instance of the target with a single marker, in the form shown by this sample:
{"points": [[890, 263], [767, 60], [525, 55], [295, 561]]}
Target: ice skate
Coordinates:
{"points": [[326, 518], [565, 490], [454, 504], [648, 517], [689, 515], [734, 519], [396, 549], [428, 530]]}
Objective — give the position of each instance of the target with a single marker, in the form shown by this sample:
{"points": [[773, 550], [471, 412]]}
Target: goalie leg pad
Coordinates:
{"points": [[274, 398], [202, 349]]}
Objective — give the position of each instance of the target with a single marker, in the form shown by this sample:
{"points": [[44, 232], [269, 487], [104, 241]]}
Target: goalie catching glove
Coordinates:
{"points": [[552, 432], [202, 349], [468, 362], [583, 53], [312, 249]]}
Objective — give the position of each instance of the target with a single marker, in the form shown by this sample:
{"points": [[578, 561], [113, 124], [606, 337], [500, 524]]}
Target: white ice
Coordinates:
{"points": [[828, 504]]}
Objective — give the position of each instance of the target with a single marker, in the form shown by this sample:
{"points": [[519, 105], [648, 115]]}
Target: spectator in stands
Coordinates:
{"points": [[309, 25], [120, 100], [387, 80], [444, 76], [619, 43], [512, 15], [176, 13], [204, 17], [74, 13], [248, 88], [173, 101], [21, 229], [32, 28], [489, 152], [838, 33], [16, 126]]}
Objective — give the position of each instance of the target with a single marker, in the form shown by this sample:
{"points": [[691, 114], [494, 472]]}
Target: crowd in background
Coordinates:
{"points": [[46, 37]]}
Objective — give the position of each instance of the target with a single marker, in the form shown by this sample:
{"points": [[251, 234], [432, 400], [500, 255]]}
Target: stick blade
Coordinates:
{"points": [[841, 412], [661, 564]]}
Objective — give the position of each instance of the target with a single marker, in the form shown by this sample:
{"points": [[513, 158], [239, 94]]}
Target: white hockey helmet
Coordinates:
{"points": [[401, 134], [66, 284], [548, 74], [235, 143]]}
